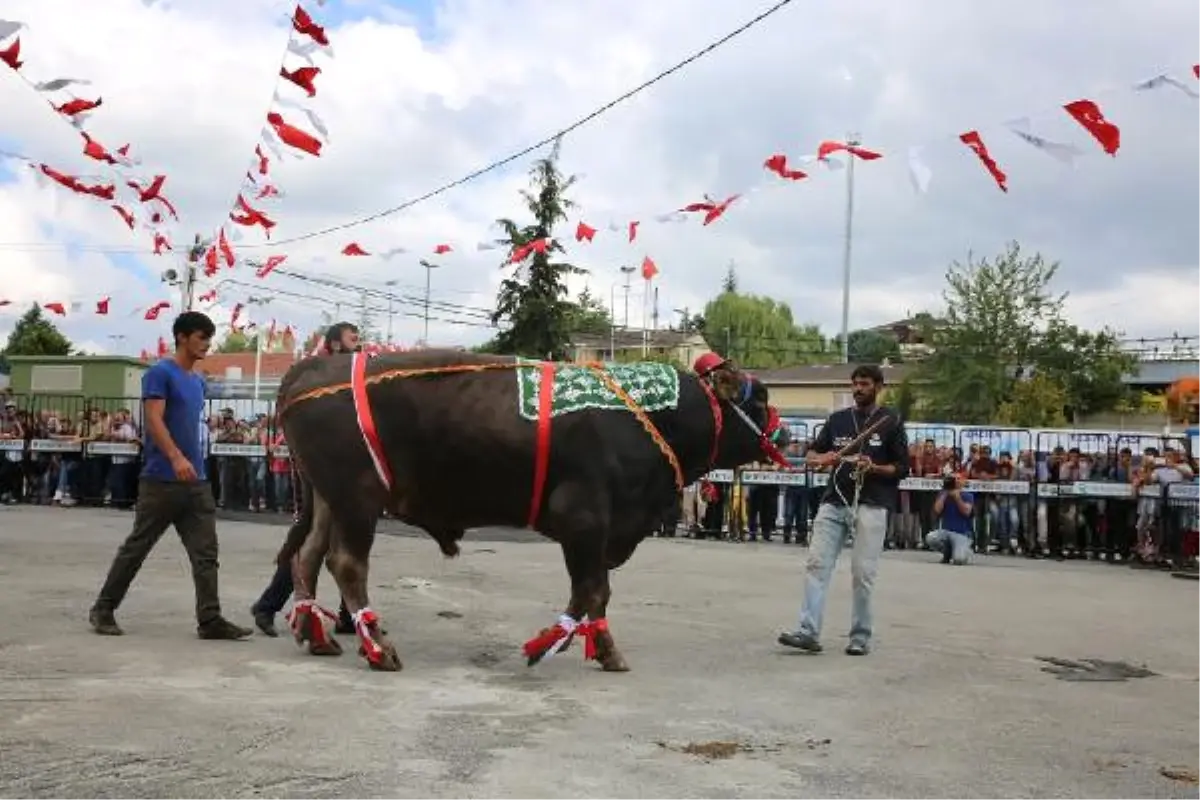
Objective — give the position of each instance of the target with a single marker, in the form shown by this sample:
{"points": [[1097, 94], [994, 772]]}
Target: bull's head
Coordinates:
{"points": [[746, 413]]}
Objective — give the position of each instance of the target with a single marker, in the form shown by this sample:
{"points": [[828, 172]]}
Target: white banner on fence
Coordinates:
{"points": [[11, 444], [55, 446], [113, 449], [243, 450]]}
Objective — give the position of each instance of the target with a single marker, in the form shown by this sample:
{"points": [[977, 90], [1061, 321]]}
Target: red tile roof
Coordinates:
{"points": [[274, 365]]}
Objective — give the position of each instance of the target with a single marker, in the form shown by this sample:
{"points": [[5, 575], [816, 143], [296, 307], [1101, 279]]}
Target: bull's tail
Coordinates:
{"points": [[303, 520]]}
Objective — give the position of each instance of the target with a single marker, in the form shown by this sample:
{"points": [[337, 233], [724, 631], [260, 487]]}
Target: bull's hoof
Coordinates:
{"points": [[613, 661], [328, 648], [388, 660]]}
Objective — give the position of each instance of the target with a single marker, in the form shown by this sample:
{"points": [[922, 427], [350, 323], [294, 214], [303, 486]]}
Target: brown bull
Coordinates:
{"points": [[407, 432]]}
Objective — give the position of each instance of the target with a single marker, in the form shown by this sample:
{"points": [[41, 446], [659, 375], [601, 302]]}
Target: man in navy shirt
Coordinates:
{"points": [[862, 489], [953, 537], [172, 489]]}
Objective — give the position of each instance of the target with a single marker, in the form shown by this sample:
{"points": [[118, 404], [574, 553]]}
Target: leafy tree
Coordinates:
{"points": [[635, 356], [34, 335], [1003, 324], [588, 314], [759, 332], [729, 283], [903, 397], [872, 347], [532, 301], [237, 342], [1034, 403]]}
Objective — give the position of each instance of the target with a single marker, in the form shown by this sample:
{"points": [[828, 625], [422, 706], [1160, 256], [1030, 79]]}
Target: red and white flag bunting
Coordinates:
{"points": [[138, 202]]}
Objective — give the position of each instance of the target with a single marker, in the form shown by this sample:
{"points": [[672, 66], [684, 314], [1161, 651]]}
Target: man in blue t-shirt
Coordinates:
{"points": [[172, 489], [953, 537]]}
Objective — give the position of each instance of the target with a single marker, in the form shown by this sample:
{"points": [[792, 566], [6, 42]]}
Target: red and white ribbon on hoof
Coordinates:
{"points": [[321, 619], [551, 640], [589, 630], [364, 618]]}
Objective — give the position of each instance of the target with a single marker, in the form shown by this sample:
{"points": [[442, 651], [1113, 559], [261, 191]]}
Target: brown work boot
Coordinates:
{"points": [[103, 622], [221, 628]]}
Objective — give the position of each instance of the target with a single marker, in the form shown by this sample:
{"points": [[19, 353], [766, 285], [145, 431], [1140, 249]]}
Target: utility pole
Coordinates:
{"points": [[429, 268], [391, 309], [852, 139], [187, 283]]}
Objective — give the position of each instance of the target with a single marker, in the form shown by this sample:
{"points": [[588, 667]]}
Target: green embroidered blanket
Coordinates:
{"points": [[654, 387]]}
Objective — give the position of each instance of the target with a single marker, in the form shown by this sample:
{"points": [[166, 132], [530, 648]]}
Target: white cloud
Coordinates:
{"points": [[186, 82]]}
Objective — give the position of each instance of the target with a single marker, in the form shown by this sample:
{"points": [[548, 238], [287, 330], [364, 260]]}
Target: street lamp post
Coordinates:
{"points": [[258, 348], [429, 268], [628, 273], [852, 139]]}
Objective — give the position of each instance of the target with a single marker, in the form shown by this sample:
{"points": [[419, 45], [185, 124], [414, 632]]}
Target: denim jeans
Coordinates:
{"points": [[959, 544], [795, 510], [831, 529]]}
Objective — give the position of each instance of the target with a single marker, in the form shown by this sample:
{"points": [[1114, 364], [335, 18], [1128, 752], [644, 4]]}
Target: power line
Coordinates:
{"points": [[579, 123]]}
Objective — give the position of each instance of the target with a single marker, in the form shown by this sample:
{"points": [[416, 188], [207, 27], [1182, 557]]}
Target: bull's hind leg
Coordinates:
{"points": [[308, 620], [348, 561]]}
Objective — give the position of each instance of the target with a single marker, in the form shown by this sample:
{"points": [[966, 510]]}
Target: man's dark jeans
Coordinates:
{"points": [[160, 504]]}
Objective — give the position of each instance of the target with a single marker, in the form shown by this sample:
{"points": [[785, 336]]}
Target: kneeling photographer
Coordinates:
{"points": [[953, 507]]}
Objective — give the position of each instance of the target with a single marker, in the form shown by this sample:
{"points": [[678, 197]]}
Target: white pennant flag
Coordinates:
{"points": [[395, 251], [9, 27], [1064, 153], [481, 246], [268, 138], [919, 173], [305, 50], [316, 121], [1159, 81], [58, 83]]}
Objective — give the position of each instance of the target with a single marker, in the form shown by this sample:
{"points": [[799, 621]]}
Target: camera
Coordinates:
{"points": [[949, 483]]}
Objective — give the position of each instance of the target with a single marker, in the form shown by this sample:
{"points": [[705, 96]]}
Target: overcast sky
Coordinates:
{"points": [[419, 93]]}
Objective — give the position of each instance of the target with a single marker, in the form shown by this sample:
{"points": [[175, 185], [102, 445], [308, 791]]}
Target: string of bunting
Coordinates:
{"points": [[281, 139]]}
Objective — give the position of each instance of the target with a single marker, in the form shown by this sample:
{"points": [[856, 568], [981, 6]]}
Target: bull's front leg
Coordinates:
{"points": [[309, 621], [587, 610]]}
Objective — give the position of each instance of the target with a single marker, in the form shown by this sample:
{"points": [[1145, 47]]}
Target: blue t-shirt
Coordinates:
{"points": [[953, 519], [183, 415]]}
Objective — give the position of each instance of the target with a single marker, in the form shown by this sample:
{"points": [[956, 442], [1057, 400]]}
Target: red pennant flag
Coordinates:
{"points": [[162, 347], [208, 296], [210, 262], [293, 136], [57, 308], [1196, 70], [94, 150], [268, 265], [153, 311], [153, 192], [268, 190], [778, 164], [251, 217], [523, 252], [104, 191], [712, 209], [225, 248], [827, 148], [584, 231], [302, 77], [1088, 114], [160, 242], [102, 306], [633, 226], [125, 215], [442, 249], [144, 355], [972, 140], [12, 54], [78, 106], [233, 317], [304, 24], [263, 161], [353, 249], [649, 268]]}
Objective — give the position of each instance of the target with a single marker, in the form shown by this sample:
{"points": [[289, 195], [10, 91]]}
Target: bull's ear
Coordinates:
{"points": [[727, 385]]}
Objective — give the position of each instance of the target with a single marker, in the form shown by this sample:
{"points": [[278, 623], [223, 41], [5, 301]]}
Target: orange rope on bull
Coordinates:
{"points": [[457, 369]]}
